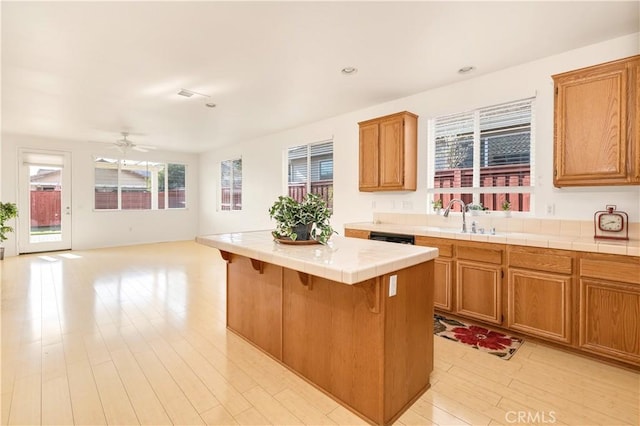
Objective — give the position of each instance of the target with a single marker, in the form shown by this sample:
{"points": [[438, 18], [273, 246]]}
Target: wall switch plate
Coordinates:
{"points": [[393, 285]]}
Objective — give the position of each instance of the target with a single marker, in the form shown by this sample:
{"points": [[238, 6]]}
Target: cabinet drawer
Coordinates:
{"points": [[445, 247], [623, 271], [540, 260], [488, 253], [356, 233]]}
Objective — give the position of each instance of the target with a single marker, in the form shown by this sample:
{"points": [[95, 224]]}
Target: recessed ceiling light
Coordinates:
{"points": [[349, 70], [466, 69]]}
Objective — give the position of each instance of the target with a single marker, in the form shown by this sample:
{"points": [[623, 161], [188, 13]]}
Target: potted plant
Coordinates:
{"points": [[7, 211], [506, 208], [300, 221], [475, 208], [437, 205]]}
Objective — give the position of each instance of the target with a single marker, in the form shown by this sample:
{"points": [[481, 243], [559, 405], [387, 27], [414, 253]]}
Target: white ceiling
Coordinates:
{"points": [[87, 71]]}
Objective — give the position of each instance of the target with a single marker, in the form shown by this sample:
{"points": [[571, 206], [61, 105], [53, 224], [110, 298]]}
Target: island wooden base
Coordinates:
{"points": [[371, 352]]}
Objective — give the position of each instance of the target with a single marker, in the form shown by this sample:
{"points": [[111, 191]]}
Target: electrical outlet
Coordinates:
{"points": [[393, 285], [551, 209]]}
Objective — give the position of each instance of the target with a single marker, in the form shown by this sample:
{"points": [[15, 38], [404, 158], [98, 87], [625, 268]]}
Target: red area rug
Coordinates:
{"points": [[480, 338]]}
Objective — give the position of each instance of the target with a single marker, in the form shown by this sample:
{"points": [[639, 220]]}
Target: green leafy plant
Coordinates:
{"points": [[311, 213], [7, 211], [506, 205], [437, 204], [478, 207]]}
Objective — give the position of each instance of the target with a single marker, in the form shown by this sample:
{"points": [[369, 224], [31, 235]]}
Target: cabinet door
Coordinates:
{"points": [[442, 284], [479, 291], [610, 319], [443, 271], [369, 157], [591, 139], [392, 153], [539, 304], [634, 116]]}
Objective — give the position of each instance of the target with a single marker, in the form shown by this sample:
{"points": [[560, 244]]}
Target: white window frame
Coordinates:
{"points": [[476, 190], [154, 186], [231, 179], [308, 147]]}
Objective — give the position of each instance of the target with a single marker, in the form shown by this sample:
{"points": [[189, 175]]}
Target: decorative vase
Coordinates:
{"points": [[303, 231], [507, 213]]}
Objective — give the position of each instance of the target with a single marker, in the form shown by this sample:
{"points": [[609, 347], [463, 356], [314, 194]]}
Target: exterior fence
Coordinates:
{"points": [[45, 209], [46, 205], [324, 189], [450, 182], [138, 200], [226, 202]]}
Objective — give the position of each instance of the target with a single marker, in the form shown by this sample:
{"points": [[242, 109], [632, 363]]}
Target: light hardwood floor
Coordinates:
{"points": [[136, 335]]}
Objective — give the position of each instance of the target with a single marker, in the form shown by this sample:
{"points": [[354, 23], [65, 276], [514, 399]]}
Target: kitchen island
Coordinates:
{"points": [[353, 317]]}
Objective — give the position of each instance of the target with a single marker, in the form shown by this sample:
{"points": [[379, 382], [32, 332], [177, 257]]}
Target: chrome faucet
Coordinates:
{"points": [[464, 209]]}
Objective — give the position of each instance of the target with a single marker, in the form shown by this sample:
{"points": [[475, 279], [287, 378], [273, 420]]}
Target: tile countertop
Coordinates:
{"points": [[564, 242], [346, 260]]}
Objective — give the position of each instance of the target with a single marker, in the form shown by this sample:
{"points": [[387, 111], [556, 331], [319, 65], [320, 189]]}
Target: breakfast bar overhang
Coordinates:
{"points": [[353, 317]]}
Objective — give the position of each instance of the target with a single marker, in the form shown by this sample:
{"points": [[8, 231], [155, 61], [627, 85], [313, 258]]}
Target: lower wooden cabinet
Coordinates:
{"points": [[478, 280], [610, 306], [586, 301], [539, 289], [442, 285], [479, 291], [443, 271], [539, 303]]}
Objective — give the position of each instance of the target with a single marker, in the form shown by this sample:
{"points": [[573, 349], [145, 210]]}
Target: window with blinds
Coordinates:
{"points": [[486, 151], [138, 185], [231, 185], [310, 169]]}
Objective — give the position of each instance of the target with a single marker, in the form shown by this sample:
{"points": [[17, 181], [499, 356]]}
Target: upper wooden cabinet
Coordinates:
{"points": [[596, 134], [388, 153]]}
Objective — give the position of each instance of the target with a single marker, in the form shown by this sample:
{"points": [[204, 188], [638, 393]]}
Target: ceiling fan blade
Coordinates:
{"points": [[147, 147], [138, 148]]}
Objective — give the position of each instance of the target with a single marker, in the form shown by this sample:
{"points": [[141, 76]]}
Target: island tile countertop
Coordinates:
{"points": [[564, 242], [346, 260]]}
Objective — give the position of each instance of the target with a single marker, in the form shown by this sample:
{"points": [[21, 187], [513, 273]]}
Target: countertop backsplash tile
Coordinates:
{"points": [[552, 233]]}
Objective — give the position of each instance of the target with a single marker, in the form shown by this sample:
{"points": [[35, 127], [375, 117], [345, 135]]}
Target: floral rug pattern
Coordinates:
{"points": [[483, 339]]}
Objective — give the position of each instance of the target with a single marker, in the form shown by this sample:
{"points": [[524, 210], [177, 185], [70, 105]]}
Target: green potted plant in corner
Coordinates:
{"points": [[301, 221], [7, 211]]}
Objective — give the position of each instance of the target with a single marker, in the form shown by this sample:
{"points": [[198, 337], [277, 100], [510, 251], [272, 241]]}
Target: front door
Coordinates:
{"points": [[44, 220]]}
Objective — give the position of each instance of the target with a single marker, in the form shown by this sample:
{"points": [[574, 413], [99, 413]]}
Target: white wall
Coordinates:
{"points": [[263, 173], [91, 228]]}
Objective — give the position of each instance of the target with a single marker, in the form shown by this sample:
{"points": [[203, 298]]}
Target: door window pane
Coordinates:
{"points": [[45, 211]]}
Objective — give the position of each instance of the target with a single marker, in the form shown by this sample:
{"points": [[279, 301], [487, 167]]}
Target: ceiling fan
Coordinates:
{"points": [[124, 144]]}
